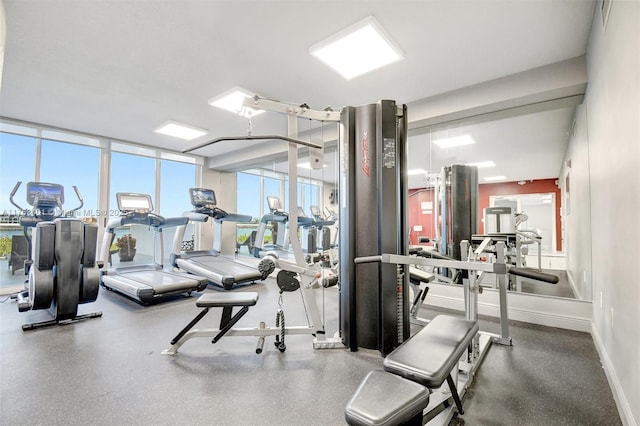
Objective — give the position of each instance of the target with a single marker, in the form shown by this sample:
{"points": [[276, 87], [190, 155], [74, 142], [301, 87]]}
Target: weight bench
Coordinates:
{"points": [[399, 394], [226, 301]]}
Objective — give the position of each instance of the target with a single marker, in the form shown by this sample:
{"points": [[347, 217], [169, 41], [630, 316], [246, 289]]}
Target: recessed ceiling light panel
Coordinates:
{"points": [[307, 165], [233, 100], [483, 164], [454, 141], [358, 49], [494, 178], [181, 131], [413, 172]]}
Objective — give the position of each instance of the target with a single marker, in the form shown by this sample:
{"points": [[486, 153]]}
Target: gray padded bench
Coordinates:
{"points": [[226, 301], [423, 362]]}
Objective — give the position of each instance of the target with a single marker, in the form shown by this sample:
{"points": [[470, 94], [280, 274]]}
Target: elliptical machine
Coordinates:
{"points": [[62, 267]]}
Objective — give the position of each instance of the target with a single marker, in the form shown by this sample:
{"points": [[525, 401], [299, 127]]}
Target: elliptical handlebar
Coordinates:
{"points": [[13, 192], [77, 191]]}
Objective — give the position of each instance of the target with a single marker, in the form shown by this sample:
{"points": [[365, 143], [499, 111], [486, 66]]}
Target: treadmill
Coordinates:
{"points": [[146, 283], [280, 233], [322, 238], [221, 271]]}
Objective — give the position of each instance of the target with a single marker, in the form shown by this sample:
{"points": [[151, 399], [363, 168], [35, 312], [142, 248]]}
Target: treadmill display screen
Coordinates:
{"points": [[128, 202], [201, 197], [45, 194], [315, 210], [274, 202]]}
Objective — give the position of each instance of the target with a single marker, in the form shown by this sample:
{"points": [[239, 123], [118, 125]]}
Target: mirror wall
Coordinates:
{"points": [[531, 152], [522, 163]]}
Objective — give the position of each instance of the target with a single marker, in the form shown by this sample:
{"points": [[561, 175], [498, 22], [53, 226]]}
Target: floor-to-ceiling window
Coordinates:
{"points": [[175, 180], [249, 194], [133, 174], [249, 202], [100, 168], [176, 177], [73, 165], [309, 195], [17, 164], [253, 188]]}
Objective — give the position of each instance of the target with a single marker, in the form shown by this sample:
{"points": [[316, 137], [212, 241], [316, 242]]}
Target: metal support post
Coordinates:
{"points": [[504, 338]]}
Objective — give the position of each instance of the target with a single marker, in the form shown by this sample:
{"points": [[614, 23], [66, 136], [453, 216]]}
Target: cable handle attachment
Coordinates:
{"points": [[279, 343]]}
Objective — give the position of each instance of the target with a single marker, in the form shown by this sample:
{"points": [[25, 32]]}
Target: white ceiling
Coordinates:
{"points": [[522, 147], [121, 68]]}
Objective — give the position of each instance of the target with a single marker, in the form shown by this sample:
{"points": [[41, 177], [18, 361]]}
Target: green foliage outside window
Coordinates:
{"points": [[5, 245]]}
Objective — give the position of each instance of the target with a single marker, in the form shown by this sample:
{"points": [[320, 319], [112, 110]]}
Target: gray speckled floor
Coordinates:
{"points": [[109, 371]]}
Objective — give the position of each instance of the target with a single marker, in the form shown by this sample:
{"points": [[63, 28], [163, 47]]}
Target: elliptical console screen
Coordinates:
{"points": [[45, 194], [315, 211], [129, 202], [202, 197]]}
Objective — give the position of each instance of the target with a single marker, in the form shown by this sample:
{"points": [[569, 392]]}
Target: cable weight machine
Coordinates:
{"points": [[372, 202]]}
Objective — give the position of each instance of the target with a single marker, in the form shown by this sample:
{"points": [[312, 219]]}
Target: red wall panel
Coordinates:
{"points": [[417, 196], [416, 215]]}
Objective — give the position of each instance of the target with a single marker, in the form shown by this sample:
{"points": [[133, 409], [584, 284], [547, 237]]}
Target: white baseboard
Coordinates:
{"points": [[618, 393], [557, 312]]}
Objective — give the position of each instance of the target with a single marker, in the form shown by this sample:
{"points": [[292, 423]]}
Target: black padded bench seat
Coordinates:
{"points": [[375, 404], [425, 360], [429, 356], [221, 300]]}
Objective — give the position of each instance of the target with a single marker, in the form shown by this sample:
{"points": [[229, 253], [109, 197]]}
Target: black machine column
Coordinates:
{"points": [[463, 181], [373, 217]]}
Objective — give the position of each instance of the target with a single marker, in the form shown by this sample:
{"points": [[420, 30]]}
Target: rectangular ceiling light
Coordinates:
{"points": [[358, 49], [413, 172], [495, 178], [307, 165], [233, 100], [182, 131], [483, 164], [454, 141]]}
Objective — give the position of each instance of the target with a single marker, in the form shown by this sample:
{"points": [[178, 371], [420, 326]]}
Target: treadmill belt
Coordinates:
{"points": [[220, 270], [221, 264], [147, 285]]}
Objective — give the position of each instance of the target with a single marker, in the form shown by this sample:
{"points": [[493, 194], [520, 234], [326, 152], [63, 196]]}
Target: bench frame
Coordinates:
{"points": [[440, 409], [314, 326], [446, 399], [442, 402]]}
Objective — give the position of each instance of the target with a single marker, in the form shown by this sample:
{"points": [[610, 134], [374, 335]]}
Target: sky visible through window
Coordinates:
{"points": [[17, 163], [248, 194], [71, 164], [68, 165]]}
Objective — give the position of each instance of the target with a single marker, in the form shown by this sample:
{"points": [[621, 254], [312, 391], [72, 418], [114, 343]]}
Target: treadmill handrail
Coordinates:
{"points": [[147, 219], [275, 217], [172, 222], [195, 216], [236, 217]]}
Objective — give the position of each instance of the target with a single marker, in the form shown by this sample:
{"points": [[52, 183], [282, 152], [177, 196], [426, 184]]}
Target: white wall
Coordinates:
{"points": [[3, 38], [577, 209], [612, 116], [224, 184]]}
